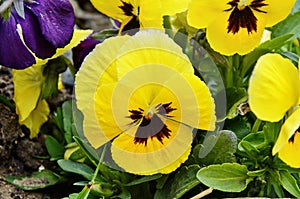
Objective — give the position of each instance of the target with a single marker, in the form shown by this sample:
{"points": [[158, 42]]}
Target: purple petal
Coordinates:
{"points": [[13, 52], [33, 36], [56, 19], [82, 50]]}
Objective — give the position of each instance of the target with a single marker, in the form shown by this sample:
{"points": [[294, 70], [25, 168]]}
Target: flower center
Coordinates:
{"points": [[242, 4], [150, 125], [242, 15]]}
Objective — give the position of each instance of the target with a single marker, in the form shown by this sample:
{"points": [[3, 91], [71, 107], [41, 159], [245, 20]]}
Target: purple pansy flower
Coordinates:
{"points": [[46, 25], [82, 50]]}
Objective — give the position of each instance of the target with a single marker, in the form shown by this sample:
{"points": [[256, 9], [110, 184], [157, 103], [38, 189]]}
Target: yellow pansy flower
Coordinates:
{"points": [[32, 110], [274, 90], [140, 93], [236, 26], [140, 13]]}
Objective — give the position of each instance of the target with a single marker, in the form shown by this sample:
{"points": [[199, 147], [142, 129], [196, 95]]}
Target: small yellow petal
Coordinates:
{"points": [[203, 13], [150, 15], [273, 88], [290, 152], [78, 36], [111, 8], [27, 90], [287, 130], [37, 118], [171, 7], [152, 47], [277, 10], [155, 156]]}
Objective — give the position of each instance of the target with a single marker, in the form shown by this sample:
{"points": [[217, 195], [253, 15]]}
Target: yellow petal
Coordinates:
{"points": [[204, 12], [287, 131], [111, 8], [290, 151], [155, 156], [150, 15], [277, 10], [152, 47], [27, 89], [78, 36], [273, 88], [91, 72], [241, 42], [36, 118], [171, 7]]}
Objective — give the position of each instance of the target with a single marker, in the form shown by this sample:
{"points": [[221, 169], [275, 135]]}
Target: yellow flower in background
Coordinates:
{"points": [[274, 90], [140, 13], [28, 83], [140, 93], [236, 26]]}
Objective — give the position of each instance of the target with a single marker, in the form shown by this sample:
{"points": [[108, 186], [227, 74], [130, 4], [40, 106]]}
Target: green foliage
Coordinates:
{"points": [[54, 148], [288, 26], [180, 183], [289, 183], [222, 152], [228, 177], [37, 180]]}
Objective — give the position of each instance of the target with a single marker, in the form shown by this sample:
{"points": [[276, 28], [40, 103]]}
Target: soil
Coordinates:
{"points": [[17, 152]]}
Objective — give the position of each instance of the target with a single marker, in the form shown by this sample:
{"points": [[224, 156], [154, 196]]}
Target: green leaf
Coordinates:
{"points": [[292, 56], [104, 34], [84, 193], [54, 148], [248, 148], [264, 48], [184, 180], [143, 180], [239, 125], [257, 173], [296, 7], [58, 118], [255, 139], [67, 120], [76, 167], [223, 151], [290, 25], [51, 72], [181, 38], [38, 180], [289, 183], [103, 189], [88, 149], [228, 177], [208, 144], [271, 131]]}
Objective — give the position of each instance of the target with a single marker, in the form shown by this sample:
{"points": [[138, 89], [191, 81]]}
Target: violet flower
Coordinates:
{"points": [[46, 25], [82, 50]]}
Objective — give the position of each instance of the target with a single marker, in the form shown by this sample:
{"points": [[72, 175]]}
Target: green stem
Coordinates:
{"points": [[228, 73], [99, 164], [256, 126]]}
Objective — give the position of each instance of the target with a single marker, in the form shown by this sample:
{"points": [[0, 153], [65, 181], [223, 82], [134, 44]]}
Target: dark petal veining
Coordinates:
{"points": [[56, 20], [151, 128], [13, 52], [244, 18], [33, 36]]}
